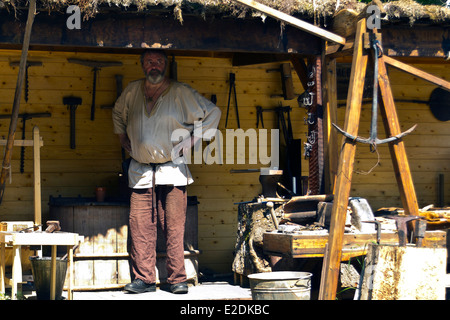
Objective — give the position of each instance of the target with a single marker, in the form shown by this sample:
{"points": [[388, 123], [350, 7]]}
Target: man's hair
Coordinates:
{"points": [[148, 51]]}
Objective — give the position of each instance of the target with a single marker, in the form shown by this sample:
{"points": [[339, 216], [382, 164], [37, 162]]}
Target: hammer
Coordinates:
{"points": [[52, 226], [72, 103], [96, 67]]}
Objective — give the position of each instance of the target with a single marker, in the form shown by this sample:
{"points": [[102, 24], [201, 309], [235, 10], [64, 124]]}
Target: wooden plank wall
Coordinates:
{"points": [[428, 147], [97, 157]]}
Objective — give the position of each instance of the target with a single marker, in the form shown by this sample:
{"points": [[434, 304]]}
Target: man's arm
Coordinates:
{"points": [[125, 141]]}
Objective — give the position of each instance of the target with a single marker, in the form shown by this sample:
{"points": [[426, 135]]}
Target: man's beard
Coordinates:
{"points": [[155, 76]]}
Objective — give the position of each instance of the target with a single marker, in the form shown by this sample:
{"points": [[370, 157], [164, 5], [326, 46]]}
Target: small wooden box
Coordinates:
{"points": [[15, 225]]}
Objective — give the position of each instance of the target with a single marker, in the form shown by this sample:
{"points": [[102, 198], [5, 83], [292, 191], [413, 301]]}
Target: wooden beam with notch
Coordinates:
{"points": [[305, 26], [417, 72]]}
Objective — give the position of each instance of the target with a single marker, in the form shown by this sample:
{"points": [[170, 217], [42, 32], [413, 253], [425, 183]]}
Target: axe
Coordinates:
{"points": [[96, 67]]}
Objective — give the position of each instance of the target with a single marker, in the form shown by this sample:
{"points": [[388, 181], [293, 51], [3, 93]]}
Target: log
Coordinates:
{"points": [[404, 273]]}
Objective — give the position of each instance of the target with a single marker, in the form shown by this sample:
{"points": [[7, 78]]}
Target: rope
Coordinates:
{"points": [[371, 169]]}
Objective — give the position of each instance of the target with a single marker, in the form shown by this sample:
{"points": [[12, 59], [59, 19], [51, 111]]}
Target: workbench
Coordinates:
{"points": [[311, 244], [19, 239]]}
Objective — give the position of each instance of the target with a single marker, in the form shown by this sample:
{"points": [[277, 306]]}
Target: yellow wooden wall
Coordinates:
{"points": [[97, 157], [428, 147]]}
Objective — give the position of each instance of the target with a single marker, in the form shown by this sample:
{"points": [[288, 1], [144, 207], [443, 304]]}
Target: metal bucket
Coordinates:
{"points": [[281, 285], [41, 269]]}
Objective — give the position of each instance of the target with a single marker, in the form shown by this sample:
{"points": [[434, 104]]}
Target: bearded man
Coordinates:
{"points": [[145, 117]]}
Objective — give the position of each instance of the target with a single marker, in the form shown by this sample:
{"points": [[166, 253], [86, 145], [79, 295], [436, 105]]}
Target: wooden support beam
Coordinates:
{"points": [[397, 148], [330, 116], [315, 129], [300, 68], [345, 168], [305, 26], [417, 72], [37, 176]]}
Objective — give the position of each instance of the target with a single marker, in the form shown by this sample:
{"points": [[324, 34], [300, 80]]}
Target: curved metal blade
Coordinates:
{"points": [[397, 137], [375, 141]]}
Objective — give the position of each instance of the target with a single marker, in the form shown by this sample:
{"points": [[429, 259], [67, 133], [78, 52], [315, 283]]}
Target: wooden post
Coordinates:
{"points": [[315, 129], [300, 68], [37, 177], [16, 272], [345, 168], [15, 110], [2, 267], [397, 148], [53, 274], [71, 270], [330, 116]]}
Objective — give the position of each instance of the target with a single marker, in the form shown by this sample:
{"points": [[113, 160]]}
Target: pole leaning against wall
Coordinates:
{"points": [[15, 110]]}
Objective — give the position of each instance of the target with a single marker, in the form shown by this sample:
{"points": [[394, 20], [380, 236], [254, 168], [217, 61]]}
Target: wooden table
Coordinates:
{"points": [[312, 245], [17, 239]]}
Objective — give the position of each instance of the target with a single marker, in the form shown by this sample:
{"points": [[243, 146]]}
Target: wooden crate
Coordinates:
{"points": [[355, 244]]}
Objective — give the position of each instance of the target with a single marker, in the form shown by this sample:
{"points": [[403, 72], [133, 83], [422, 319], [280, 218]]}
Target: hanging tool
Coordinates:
{"points": [[277, 110], [173, 69], [72, 104], [25, 117], [286, 81], [232, 87], [96, 67], [373, 140], [119, 86], [29, 64], [293, 146], [259, 115], [439, 103]]}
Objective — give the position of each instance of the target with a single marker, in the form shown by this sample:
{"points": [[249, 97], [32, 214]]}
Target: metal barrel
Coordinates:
{"points": [[281, 285]]}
